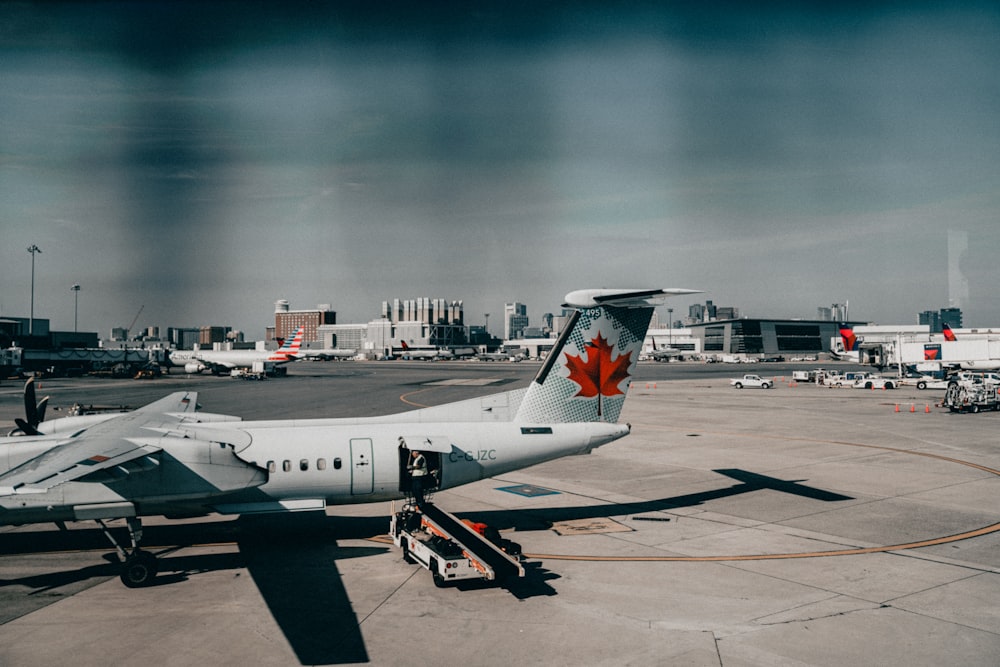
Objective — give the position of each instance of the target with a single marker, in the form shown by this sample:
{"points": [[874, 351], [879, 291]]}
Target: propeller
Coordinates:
{"points": [[34, 412]]}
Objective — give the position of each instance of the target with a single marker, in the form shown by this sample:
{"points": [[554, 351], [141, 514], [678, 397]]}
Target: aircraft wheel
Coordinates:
{"points": [[438, 579], [139, 569]]}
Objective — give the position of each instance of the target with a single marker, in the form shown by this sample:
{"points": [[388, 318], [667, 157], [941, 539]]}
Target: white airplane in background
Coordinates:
{"points": [[217, 361], [168, 459], [662, 353], [513, 355], [326, 353], [423, 352]]}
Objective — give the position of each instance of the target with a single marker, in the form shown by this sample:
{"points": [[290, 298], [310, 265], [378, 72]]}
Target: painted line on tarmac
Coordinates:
{"points": [[406, 400]]}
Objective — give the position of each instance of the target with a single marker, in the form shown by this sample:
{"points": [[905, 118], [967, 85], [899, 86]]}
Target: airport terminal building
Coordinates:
{"points": [[764, 337]]}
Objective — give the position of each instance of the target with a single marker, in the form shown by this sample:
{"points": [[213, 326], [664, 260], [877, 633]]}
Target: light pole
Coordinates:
{"points": [[670, 327], [34, 250], [76, 305]]}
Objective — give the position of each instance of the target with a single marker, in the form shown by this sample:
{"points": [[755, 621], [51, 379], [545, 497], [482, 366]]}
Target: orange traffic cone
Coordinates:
{"points": [[897, 407], [927, 409], [913, 407]]}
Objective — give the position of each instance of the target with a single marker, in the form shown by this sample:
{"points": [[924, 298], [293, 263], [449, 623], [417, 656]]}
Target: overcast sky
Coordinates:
{"points": [[205, 160]]}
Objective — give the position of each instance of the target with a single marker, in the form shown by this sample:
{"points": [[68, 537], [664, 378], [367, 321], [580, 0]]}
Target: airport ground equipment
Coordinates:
{"points": [[868, 381], [752, 381], [848, 379], [973, 392], [452, 549], [804, 376]]}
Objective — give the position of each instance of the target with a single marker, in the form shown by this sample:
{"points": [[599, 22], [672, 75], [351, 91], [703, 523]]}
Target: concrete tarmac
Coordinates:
{"points": [[800, 525]]}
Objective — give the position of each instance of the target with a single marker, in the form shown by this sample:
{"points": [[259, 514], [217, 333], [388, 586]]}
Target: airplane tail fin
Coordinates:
{"points": [[948, 333], [848, 337], [289, 347], [587, 374]]}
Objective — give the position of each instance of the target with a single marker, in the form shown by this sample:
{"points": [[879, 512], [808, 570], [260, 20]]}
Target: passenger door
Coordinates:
{"points": [[362, 470]]}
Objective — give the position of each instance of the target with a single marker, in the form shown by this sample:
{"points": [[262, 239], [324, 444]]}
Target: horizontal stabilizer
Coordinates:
{"points": [[623, 298]]}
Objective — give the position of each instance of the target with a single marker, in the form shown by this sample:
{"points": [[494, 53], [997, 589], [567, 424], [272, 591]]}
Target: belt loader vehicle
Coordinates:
{"points": [[452, 549]]}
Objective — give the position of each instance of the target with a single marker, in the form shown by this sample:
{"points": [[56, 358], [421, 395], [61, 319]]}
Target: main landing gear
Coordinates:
{"points": [[138, 567]]}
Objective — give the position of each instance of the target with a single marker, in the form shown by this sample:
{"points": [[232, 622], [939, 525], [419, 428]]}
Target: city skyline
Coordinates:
{"points": [[201, 163], [516, 316]]}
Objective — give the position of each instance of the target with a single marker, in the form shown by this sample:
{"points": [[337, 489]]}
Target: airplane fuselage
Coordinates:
{"points": [[252, 467]]}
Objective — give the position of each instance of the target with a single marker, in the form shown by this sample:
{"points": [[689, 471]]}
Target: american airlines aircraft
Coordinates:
{"points": [[166, 458], [217, 361]]}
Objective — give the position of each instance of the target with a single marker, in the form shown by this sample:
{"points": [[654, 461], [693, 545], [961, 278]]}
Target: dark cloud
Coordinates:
{"points": [[205, 159]]}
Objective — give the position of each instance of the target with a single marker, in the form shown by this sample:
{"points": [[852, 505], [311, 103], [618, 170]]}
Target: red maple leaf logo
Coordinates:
{"points": [[599, 374]]}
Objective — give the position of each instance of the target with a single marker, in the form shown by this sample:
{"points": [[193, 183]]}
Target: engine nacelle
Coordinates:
{"points": [[194, 367]]}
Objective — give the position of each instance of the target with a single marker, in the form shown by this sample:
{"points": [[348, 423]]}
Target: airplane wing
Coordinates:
{"points": [[211, 361], [106, 445]]}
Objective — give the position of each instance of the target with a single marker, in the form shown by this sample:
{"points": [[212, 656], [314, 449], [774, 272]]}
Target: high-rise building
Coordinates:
{"points": [[952, 317], [424, 310], [515, 319], [932, 319], [209, 335], [936, 319], [286, 321]]}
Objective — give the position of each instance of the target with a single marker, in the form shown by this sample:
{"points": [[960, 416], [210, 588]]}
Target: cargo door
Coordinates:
{"points": [[362, 470]]}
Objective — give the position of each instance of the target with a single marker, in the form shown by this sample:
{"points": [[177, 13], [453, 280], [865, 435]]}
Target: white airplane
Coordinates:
{"points": [[196, 361], [662, 353], [326, 353], [517, 355], [423, 352], [168, 459]]}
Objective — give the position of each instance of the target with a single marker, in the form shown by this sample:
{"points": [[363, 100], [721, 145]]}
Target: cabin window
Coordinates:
{"points": [[320, 464], [271, 467], [304, 465], [337, 463], [286, 465]]}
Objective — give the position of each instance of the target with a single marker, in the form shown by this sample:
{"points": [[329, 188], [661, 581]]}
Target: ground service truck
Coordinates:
{"points": [[453, 549]]}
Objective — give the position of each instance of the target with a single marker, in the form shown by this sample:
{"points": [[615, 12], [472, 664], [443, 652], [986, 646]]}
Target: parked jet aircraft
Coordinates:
{"points": [[422, 352], [217, 361], [662, 352], [168, 459], [326, 353], [512, 355]]}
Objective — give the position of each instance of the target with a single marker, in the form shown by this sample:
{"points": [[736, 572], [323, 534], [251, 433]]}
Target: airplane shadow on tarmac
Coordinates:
{"points": [[293, 558], [543, 518], [294, 564]]}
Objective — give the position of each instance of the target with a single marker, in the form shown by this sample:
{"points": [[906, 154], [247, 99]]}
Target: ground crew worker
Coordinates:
{"points": [[418, 475]]}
